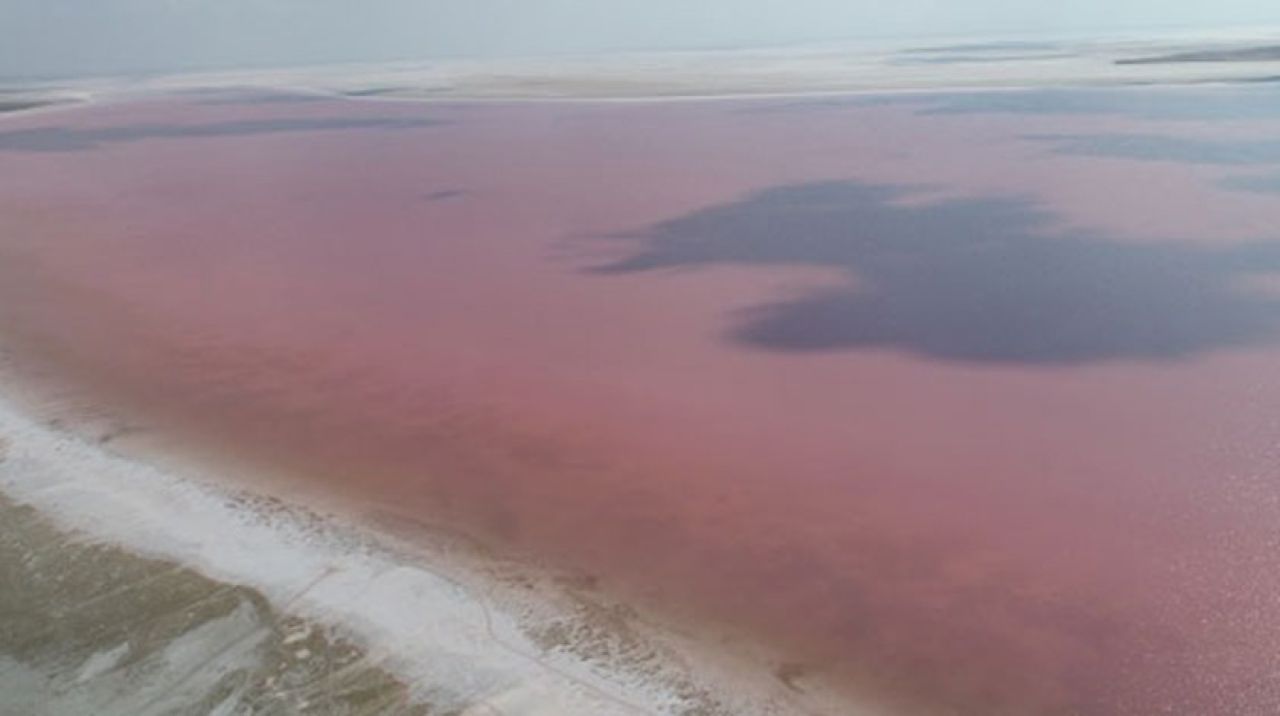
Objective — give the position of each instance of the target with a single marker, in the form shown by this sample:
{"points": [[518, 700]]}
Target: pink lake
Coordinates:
{"points": [[968, 401]]}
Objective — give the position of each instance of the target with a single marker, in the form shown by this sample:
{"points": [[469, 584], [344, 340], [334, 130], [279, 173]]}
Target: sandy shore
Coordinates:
{"points": [[91, 628]]}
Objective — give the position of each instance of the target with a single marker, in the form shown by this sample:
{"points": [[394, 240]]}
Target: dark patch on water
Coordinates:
{"points": [[66, 139], [989, 280], [1180, 150], [985, 47], [444, 195], [1257, 183], [983, 52], [370, 92], [252, 98], [955, 59], [1262, 53], [20, 105], [1150, 147], [1247, 101]]}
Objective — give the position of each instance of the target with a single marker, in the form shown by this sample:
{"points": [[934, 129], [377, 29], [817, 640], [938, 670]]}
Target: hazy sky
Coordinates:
{"points": [[39, 37]]}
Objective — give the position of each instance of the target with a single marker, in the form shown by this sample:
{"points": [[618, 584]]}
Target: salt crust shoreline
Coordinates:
{"points": [[444, 621]]}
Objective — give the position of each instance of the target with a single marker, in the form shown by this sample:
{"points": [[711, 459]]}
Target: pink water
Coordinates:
{"points": [[951, 406]]}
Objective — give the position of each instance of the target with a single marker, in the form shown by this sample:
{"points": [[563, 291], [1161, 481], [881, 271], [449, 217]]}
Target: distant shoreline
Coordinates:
{"points": [[820, 70]]}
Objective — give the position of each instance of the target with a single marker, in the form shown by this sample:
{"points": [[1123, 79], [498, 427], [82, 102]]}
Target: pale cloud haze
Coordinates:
{"points": [[63, 37]]}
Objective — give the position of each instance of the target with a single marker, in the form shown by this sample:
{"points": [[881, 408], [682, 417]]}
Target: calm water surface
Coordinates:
{"points": [[972, 400]]}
